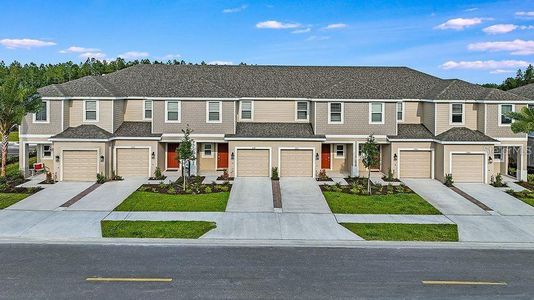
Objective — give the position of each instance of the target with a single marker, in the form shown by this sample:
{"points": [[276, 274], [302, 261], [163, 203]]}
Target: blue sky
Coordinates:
{"points": [[478, 41]]}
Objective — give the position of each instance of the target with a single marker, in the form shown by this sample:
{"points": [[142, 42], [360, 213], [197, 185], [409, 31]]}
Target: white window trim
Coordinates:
{"points": [[47, 114], [203, 154], [307, 111], [502, 153], [382, 113], [342, 113], [500, 113], [251, 110], [179, 112], [151, 109], [335, 151], [51, 152], [402, 112], [85, 110], [450, 114], [208, 112]]}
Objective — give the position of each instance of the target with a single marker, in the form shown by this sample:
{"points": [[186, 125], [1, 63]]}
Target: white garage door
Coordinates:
{"points": [[468, 167], [80, 165], [296, 163], [253, 163], [132, 162], [415, 164]]}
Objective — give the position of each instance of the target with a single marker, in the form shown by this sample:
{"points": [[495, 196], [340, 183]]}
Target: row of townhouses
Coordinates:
{"points": [[249, 119]]}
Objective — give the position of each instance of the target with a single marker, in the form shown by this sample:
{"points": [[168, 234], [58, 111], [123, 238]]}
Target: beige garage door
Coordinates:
{"points": [[253, 162], [468, 167], [296, 163], [415, 164], [132, 162], [80, 165]]}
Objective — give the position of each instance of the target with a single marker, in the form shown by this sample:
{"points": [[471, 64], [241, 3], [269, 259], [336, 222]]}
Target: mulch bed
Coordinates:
{"points": [[526, 185], [225, 178], [358, 186], [193, 186], [325, 179], [393, 180], [159, 178]]}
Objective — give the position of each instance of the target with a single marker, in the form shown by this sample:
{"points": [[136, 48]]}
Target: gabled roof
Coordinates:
{"points": [[135, 129], [83, 132], [274, 130], [525, 91], [463, 134], [326, 82], [412, 131]]}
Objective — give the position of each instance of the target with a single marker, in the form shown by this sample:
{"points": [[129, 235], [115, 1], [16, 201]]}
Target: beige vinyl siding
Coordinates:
{"points": [[492, 122], [273, 111], [194, 114], [312, 115], [468, 167], [80, 165], [356, 120], [413, 112], [443, 117], [339, 164], [252, 162], [132, 162], [481, 111], [428, 116], [386, 158], [134, 110], [439, 167], [66, 114], [104, 114], [207, 164], [296, 163], [52, 127], [415, 164], [118, 113]]}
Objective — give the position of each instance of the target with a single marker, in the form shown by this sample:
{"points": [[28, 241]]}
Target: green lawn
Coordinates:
{"points": [[407, 204], [8, 199], [13, 136], [156, 229], [404, 232], [149, 201]]}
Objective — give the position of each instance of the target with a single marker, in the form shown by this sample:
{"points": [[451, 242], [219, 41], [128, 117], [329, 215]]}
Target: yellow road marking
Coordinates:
{"points": [[126, 279], [460, 282]]}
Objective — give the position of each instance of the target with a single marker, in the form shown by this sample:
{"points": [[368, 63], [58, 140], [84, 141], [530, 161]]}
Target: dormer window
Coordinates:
{"points": [[90, 111], [457, 113]]}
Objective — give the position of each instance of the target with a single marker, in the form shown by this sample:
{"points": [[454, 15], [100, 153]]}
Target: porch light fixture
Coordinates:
{"points": [[57, 158], [490, 160], [395, 157], [232, 156], [153, 155], [316, 156], [101, 158]]}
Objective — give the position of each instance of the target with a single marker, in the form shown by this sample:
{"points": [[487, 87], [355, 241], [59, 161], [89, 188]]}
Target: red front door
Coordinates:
{"points": [[325, 156], [222, 156], [172, 161]]}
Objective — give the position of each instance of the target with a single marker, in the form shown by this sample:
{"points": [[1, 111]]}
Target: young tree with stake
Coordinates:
{"points": [[185, 152], [370, 156]]}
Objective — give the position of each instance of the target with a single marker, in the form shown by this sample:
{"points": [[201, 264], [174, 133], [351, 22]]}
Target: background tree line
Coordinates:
{"points": [[521, 78]]}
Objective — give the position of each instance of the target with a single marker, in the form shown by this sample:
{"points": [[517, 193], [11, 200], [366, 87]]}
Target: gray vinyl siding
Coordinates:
{"points": [[492, 122], [312, 115], [66, 114], [428, 116], [356, 120], [52, 127], [118, 113], [194, 114], [480, 117]]}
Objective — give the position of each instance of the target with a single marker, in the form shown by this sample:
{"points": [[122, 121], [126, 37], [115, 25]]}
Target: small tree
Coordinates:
{"points": [[523, 120], [185, 152], [369, 158]]}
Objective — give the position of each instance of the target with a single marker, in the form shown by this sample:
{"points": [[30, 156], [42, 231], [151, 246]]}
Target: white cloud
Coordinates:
{"points": [[272, 24], [172, 56], [484, 64], [528, 14], [76, 49], [318, 38], [505, 28], [471, 9], [234, 10], [515, 47], [220, 62], [460, 23], [501, 71], [305, 30], [97, 55], [134, 55], [25, 43], [336, 26]]}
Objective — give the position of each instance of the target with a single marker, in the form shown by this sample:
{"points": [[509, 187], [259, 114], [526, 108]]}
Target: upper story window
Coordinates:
{"points": [[335, 113], [504, 109], [246, 110], [90, 111], [172, 111], [214, 111], [400, 111], [207, 150], [457, 113], [147, 114], [376, 113], [41, 116], [340, 151], [302, 110]]}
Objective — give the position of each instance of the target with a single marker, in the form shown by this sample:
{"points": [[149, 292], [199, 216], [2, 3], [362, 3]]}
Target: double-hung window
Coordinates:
{"points": [[214, 112], [147, 115], [400, 111], [90, 113], [207, 150], [246, 110], [47, 151], [172, 111], [335, 113], [504, 109], [497, 153], [41, 116], [376, 113], [340, 151], [302, 110], [457, 113]]}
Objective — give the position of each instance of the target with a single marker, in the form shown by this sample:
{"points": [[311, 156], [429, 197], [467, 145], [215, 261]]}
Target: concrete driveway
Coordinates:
{"points": [[52, 197], [302, 195], [251, 194], [444, 199], [497, 199]]}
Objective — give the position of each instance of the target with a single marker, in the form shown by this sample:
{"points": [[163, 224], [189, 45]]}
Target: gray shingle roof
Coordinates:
{"points": [[525, 91], [274, 82], [274, 130], [412, 131], [83, 132], [135, 129], [463, 134]]}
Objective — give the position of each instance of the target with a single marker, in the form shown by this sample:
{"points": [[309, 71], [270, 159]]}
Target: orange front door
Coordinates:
{"points": [[172, 161], [325, 156], [222, 156]]}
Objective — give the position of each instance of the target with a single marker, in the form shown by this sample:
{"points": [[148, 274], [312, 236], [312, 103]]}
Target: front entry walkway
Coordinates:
{"points": [[302, 195], [496, 199], [251, 194]]}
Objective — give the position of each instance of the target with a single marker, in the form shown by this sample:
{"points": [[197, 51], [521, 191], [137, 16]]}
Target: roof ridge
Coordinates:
{"points": [[98, 79], [213, 83], [451, 82]]}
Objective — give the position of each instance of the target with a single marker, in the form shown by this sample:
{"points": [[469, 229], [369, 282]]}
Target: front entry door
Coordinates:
{"points": [[325, 156], [222, 156], [172, 161]]}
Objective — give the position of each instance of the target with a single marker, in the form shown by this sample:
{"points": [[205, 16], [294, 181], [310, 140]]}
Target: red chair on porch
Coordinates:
{"points": [[37, 167]]}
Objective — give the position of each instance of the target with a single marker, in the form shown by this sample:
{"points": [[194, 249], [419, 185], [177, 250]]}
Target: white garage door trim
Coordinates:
{"points": [[471, 152], [253, 148], [80, 149], [416, 149], [297, 148], [134, 147]]}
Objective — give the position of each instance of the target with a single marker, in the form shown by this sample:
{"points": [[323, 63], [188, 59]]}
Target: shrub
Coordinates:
{"points": [[390, 189], [207, 190], [171, 190], [274, 173], [322, 175], [498, 181], [448, 180], [225, 176], [157, 174], [530, 178], [100, 178], [389, 176]]}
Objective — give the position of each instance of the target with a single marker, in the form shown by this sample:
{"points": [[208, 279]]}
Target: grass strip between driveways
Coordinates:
{"points": [[8, 199], [156, 229], [149, 201], [407, 204], [404, 232]]}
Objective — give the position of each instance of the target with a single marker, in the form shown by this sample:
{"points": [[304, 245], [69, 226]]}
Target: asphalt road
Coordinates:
{"points": [[61, 272]]}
